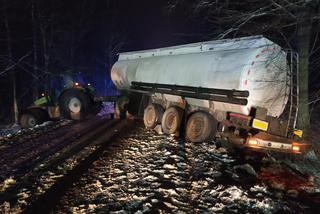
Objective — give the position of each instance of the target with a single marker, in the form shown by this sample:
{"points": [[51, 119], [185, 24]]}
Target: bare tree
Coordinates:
{"points": [[115, 37], [46, 25], [35, 47], [10, 55]]}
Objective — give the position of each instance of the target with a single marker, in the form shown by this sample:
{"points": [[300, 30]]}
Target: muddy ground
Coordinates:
{"points": [[144, 172]]}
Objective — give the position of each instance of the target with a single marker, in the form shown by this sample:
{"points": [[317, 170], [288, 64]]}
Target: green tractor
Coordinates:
{"points": [[74, 101]]}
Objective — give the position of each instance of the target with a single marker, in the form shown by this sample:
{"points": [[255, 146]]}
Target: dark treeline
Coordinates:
{"points": [[43, 38], [40, 39]]}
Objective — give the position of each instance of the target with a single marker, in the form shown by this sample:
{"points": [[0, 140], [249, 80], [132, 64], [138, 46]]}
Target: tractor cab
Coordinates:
{"points": [[61, 83]]}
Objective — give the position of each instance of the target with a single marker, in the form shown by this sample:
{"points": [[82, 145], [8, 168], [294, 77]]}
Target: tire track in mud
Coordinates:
{"points": [[18, 160], [40, 178]]}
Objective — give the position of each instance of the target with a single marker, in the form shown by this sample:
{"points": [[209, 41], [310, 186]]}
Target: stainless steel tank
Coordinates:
{"points": [[254, 63]]}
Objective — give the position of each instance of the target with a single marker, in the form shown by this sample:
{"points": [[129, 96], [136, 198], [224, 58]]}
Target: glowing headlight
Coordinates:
{"points": [[253, 142], [296, 148]]}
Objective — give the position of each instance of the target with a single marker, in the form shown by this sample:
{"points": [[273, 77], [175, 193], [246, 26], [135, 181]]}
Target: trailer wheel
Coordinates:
{"points": [[171, 120], [152, 115], [74, 104], [28, 120], [200, 127]]}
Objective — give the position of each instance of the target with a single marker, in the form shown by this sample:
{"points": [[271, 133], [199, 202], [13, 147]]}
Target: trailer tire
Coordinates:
{"points": [[152, 115], [171, 120], [200, 127], [74, 104]]}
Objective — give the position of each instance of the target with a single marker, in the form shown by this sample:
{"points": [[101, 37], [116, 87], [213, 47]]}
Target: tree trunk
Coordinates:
{"points": [[46, 56], [35, 49], [10, 54], [303, 41], [15, 103]]}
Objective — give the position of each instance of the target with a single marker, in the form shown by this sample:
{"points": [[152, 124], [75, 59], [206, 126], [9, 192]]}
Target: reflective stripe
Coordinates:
{"points": [[260, 124], [273, 145], [298, 133]]}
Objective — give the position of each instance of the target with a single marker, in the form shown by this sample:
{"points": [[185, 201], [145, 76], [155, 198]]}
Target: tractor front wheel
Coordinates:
{"points": [[28, 120], [33, 117]]}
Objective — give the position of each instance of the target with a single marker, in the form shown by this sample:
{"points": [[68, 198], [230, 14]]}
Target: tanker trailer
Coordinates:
{"points": [[234, 88]]}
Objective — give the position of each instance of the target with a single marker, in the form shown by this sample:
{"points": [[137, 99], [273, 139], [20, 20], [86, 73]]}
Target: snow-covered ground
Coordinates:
{"points": [[107, 108], [7, 131], [149, 173], [13, 133]]}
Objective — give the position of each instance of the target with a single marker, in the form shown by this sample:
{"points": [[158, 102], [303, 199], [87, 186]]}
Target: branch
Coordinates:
{"points": [[284, 9], [314, 101], [15, 63]]}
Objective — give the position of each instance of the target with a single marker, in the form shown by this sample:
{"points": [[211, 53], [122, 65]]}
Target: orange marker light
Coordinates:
{"points": [[296, 148]]}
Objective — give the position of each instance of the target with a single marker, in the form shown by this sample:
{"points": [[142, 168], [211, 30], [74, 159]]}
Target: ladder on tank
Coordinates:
{"points": [[293, 75]]}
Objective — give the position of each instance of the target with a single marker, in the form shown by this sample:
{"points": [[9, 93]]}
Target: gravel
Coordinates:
{"points": [[148, 173]]}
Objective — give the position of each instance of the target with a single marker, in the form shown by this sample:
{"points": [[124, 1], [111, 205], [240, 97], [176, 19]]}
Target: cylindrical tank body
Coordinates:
{"points": [[252, 63]]}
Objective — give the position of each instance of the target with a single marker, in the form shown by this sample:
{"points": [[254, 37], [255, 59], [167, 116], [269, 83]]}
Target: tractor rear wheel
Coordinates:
{"points": [[74, 104]]}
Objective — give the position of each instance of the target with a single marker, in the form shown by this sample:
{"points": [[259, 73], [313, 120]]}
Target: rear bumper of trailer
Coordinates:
{"points": [[265, 141]]}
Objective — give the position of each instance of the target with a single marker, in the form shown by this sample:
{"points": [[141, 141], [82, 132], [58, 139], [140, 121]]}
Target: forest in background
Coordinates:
{"points": [[41, 39]]}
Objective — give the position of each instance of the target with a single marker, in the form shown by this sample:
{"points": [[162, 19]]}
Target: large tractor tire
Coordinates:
{"points": [[200, 127], [171, 120], [152, 115], [74, 104], [33, 117]]}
